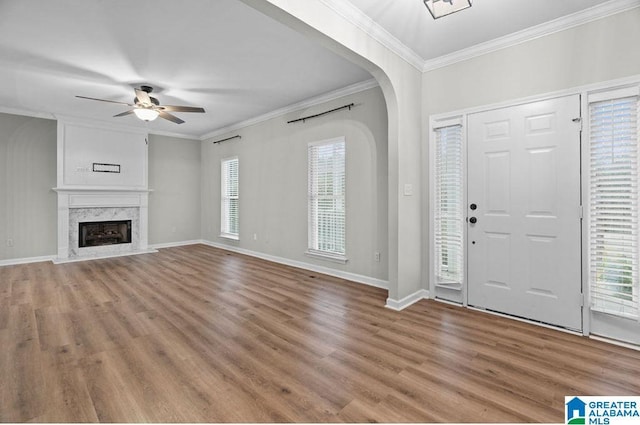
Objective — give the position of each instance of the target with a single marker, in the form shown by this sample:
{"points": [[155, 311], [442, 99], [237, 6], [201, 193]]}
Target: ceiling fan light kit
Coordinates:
{"points": [[440, 8], [148, 108], [146, 114]]}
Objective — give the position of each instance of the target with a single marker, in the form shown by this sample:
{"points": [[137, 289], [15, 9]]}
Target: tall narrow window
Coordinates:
{"points": [[327, 199], [449, 208], [230, 198], [613, 215]]}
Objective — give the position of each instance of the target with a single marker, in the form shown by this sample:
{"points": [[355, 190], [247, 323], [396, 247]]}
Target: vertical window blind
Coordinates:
{"points": [[613, 214], [230, 198], [327, 207], [449, 207]]}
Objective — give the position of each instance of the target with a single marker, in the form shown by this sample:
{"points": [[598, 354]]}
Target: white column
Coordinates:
{"points": [[144, 221], [63, 225]]}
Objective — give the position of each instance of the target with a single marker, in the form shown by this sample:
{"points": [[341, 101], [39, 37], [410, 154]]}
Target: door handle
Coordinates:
{"points": [[473, 220]]}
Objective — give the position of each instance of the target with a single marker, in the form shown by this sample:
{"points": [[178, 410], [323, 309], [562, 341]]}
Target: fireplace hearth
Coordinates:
{"points": [[99, 233]]}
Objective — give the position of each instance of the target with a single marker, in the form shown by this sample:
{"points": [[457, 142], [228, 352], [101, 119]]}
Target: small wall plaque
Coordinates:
{"points": [[106, 168]]}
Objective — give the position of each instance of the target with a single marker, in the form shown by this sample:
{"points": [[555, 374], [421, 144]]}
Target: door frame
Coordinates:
{"points": [[439, 120]]}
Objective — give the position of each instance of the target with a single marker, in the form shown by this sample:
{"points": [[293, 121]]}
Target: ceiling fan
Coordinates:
{"points": [[148, 108]]}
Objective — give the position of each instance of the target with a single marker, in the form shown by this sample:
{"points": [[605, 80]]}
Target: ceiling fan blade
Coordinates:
{"points": [[129, 112], [172, 108], [143, 97], [104, 100], [170, 117]]}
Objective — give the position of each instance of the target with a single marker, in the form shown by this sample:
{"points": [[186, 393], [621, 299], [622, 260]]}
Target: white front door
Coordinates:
{"points": [[524, 235]]}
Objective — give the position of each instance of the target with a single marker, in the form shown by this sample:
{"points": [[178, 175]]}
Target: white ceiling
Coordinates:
{"points": [[410, 22], [218, 54]]}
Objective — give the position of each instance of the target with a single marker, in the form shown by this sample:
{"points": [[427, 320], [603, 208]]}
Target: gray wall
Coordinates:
{"points": [[28, 205], [174, 178], [598, 51], [273, 183]]}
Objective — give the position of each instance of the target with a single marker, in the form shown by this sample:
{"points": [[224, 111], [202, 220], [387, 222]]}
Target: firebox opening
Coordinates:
{"points": [[104, 233]]}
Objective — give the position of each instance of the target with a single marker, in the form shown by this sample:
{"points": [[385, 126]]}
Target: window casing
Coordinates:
{"points": [[230, 198], [613, 199], [449, 225], [327, 199]]}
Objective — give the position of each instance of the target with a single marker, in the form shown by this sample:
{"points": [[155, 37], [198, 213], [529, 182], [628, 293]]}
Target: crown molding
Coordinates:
{"points": [[174, 135], [26, 113], [108, 125], [326, 97], [336, 94], [351, 13], [579, 18], [97, 123], [101, 123], [358, 18]]}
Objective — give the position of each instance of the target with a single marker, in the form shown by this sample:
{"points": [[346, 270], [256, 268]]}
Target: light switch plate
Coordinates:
{"points": [[408, 189]]}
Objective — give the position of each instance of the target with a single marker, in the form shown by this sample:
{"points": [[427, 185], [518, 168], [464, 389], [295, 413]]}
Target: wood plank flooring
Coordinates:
{"points": [[197, 334]]}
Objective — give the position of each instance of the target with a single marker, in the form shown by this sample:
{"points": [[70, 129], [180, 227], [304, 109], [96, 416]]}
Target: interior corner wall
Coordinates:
{"points": [[598, 51], [273, 183], [28, 205], [174, 178]]}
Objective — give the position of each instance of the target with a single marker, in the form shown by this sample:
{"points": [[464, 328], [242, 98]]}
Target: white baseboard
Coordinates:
{"points": [[408, 300], [14, 261], [615, 342], [371, 281], [174, 244], [57, 260]]}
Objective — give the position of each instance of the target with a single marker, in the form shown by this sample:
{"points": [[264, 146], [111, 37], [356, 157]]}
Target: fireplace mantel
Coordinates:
{"points": [[87, 197], [98, 189], [90, 194], [79, 198]]}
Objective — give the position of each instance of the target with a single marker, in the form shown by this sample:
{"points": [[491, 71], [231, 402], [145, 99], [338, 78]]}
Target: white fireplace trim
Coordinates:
{"points": [[93, 197], [101, 214]]}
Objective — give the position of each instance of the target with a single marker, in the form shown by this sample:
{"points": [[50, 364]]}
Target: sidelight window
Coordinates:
{"points": [[449, 207], [613, 191]]}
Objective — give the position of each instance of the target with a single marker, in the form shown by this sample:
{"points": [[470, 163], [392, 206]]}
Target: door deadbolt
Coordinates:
{"points": [[473, 206]]}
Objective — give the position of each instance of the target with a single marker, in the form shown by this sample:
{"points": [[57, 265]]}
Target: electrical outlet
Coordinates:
{"points": [[10, 242], [376, 256], [255, 236]]}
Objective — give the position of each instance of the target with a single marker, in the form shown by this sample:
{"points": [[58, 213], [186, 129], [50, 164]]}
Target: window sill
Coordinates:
{"points": [[456, 286], [230, 236], [335, 258]]}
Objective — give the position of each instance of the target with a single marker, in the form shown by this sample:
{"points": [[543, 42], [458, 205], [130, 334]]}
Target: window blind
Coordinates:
{"points": [[327, 206], [449, 208], [230, 198], [613, 214]]}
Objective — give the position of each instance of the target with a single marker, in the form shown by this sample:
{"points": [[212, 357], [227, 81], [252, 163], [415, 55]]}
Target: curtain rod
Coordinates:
{"points": [[228, 138], [351, 105]]}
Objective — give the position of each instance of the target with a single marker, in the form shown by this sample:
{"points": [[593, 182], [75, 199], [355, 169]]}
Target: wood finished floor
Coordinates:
{"points": [[199, 334]]}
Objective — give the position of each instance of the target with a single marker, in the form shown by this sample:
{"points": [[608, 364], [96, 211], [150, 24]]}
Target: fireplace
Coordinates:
{"points": [[87, 196], [99, 233], [78, 208]]}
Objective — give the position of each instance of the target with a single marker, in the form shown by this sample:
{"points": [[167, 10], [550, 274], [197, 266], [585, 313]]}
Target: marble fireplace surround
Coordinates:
{"points": [[98, 204]]}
